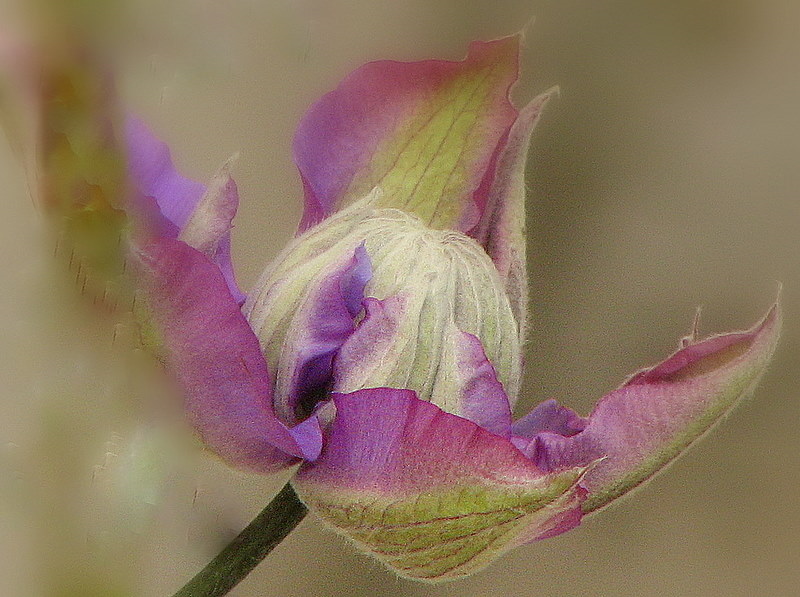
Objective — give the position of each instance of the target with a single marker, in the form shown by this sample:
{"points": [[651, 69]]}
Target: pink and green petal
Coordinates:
{"points": [[426, 133], [216, 360], [645, 424], [202, 216], [502, 229], [431, 495]]}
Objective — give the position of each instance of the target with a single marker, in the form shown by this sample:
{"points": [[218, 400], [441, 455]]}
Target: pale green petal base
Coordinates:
{"points": [[448, 533]]}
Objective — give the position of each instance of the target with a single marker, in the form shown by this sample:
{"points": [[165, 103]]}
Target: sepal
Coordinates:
{"points": [[428, 133], [216, 361], [431, 495], [659, 412]]}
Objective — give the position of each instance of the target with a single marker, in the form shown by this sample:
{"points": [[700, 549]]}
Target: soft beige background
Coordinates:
{"points": [[665, 177]]}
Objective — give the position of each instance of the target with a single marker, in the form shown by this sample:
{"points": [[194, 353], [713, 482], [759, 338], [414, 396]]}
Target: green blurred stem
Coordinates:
{"points": [[251, 546]]}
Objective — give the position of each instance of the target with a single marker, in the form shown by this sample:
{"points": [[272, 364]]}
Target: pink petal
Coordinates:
{"points": [[216, 360], [430, 494], [642, 426], [426, 133]]}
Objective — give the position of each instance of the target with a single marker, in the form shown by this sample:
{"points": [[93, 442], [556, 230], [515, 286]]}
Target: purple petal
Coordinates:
{"points": [[483, 400], [216, 360], [430, 494], [352, 285], [389, 440], [370, 345], [202, 217], [465, 383], [549, 416], [642, 426], [322, 324], [154, 174]]}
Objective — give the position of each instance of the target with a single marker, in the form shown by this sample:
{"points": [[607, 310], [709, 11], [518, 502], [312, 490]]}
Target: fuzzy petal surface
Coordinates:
{"points": [[426, 133], [431, 495], [216, 360], [649, 421]]}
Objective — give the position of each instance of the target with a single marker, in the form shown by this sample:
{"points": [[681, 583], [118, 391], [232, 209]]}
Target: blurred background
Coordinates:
{"points": [[664, 178]]}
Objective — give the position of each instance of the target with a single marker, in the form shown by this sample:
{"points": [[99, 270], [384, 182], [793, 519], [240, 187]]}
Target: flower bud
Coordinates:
{"points": [[431, 286]]}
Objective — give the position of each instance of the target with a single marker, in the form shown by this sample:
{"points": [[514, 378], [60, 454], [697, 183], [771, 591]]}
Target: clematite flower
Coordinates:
{"points": [[382, 349]]}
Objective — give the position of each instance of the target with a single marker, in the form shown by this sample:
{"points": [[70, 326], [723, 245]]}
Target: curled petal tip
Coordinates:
{"points": [[199, 215], [553, 92], [212, 218]]}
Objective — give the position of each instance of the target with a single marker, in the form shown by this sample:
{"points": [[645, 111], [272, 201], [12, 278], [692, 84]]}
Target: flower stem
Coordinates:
{"points": [[252, 545]]}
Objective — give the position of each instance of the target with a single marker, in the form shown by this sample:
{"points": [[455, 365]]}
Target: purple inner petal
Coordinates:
{"points": [[325, 322], [483, 401], [353, 283], [549, 416]]}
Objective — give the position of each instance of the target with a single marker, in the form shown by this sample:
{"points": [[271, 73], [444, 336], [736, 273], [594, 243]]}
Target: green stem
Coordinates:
{"points": [[252, 545]]}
